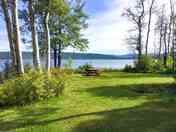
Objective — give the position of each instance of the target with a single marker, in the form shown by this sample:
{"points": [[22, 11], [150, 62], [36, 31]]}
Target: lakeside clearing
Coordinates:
{"points": [[109, 103]]}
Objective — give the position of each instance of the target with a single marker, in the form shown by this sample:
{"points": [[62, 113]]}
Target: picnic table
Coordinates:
{"points": [[92, 72]]}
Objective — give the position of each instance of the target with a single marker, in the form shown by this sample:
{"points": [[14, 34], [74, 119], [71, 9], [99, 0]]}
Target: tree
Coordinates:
{"points": [[9, 27], [48, 8], [66, 30], [47, 35], [12, 24], [165, 55], [160, 25], [17, 38], [173, 39], [32, 19], [170, 26], [137, 15], [149, 24]]}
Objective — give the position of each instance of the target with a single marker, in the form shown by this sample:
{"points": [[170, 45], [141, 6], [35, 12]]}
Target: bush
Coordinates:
{"points": [[9, 72], [32, 86], [157, 66], [144, 65], [129, 68], [84, 68], [149, 65]]}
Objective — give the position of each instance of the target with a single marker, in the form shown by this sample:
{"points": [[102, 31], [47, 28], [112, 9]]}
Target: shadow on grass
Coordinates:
{"points": [[126, 120], [149, 117], [133, 75], [131, 91], [26, 117], [158, 116]]}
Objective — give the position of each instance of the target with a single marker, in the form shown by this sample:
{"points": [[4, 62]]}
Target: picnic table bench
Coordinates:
{"points": [[92, 72]]}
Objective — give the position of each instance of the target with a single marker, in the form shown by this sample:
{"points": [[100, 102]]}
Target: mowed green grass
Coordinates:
{"points": [[99, 104]]}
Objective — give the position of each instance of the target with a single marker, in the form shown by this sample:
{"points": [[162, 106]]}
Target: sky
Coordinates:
{"points": [[107, 29]]}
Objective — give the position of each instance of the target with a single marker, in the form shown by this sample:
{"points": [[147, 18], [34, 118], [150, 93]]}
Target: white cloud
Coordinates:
{"points": [[4, 44], [107, 30]]}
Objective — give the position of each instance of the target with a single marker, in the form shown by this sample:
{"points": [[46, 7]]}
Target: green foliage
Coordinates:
{"points": [[144, 64], [157, 66], [83, 68], [129, 68], [68, 64], [66, 30], [59, 7], [8, 72], [32, 86], [148, 64]]}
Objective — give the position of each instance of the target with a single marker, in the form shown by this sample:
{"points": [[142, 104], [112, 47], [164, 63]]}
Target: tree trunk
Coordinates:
{"points": [[165, 46], [60, 49], [55, 57], [48, 46], [169, 35], [9, 28], [149, 23], [17, 41], [173, 47], [59, 55], [35, 46], [139, 48], [160, 42]]}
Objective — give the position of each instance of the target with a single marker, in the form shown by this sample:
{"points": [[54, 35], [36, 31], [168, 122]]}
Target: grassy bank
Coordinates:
{"points": [[109, 103]]}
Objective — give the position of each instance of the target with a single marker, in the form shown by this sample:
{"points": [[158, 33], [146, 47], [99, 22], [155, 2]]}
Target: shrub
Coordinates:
{"points": [[9, 71], [69, 64], [129, 68], [32, 86], [144, 65], [157, 66], [85, 67]]}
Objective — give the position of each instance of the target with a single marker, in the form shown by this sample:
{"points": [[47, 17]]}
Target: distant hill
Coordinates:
{"points": [[66, 55]]}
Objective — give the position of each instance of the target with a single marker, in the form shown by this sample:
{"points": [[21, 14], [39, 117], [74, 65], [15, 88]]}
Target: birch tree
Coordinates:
{"points": [[137, 15], [9, 27], [66, 30], [48, 8], [10, 11], [149, 25], [35, 46], [16, 34]]}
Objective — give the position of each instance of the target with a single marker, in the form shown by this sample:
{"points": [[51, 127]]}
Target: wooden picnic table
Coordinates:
{"points": [[92, 72]]}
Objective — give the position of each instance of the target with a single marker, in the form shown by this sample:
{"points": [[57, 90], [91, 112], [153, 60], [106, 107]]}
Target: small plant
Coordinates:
{"points": [[9, 71], [84, 68], [129, 68], [68, 64], [144, 64]]}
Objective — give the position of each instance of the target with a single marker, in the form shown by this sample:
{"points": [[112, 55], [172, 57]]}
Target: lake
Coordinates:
{"points": [[113, 64]]}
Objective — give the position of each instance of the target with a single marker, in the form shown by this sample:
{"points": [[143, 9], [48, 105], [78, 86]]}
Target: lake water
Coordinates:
{"points": [[113, 64]]}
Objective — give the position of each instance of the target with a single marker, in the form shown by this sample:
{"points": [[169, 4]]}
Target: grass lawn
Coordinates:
{"points": [[108, 103]]}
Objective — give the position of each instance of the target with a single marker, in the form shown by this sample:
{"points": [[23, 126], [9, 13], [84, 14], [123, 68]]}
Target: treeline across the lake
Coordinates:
{"points": [[153, 31], [49, 25], [71, 55]]}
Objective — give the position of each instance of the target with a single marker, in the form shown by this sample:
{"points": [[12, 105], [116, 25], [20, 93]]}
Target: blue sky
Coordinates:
{"points": [[95, 6], [106, 27]]}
